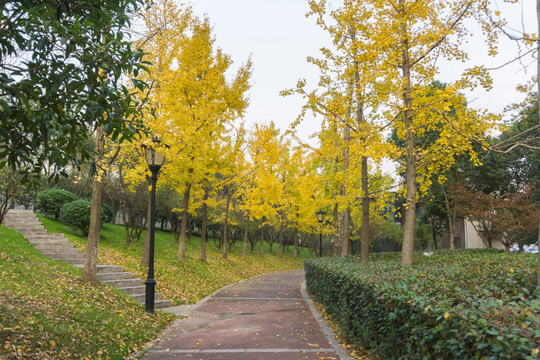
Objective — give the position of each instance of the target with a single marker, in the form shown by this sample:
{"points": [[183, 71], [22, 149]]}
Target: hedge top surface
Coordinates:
{"points": [[446, 274]]}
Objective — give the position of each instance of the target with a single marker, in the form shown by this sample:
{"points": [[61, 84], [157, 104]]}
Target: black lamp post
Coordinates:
{"points": [[155, 160], [320, 219]]}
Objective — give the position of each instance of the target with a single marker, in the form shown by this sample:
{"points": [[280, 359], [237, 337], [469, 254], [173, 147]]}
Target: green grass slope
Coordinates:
{"points": [[47, 312], [183, 282]]}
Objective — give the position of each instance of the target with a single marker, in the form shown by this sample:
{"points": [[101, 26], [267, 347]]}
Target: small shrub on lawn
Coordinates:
{"points": [[454, 305], [77, 215], [110, 214], [50, 202]]}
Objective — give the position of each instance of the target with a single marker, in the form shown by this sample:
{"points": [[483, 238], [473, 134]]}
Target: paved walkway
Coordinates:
{"points": [[265, 317]]}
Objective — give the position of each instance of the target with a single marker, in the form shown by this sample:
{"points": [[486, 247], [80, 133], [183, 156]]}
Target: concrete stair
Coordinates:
{"points": [[57, 247]]}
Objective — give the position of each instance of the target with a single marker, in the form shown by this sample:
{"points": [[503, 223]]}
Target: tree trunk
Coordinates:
{"points": [[364, 232], [146, 245], [295, 252], [451, 221], [281, 240], [346, 218], [183, 225], [246, 233], [226, 225], [261, 245], [410, 200], [90, 259], [337, 230], [538, 244], [204, 214], [538, 104], [345, 222], [361, 120]]}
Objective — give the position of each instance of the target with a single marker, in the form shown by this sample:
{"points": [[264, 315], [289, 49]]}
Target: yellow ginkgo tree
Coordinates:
{"points": [[193, 97], [409, 38]]}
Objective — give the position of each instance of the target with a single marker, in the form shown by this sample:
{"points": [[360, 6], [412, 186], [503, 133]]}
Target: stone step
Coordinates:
{"points": [[160, 304], [25, 224], [53, 253], [123, 282], [44, 245], [141, 297], [114, 276], [46, 236], [106, 268], [58, 247], [133, 290], [73, 261], [21, 224], [53, 246], [21, 218], [69, 256], [37, 236], [30, 228], [43, 241], [39, 232]]}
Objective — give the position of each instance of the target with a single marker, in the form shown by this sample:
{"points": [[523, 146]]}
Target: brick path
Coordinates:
{"points": [[262, 318]]}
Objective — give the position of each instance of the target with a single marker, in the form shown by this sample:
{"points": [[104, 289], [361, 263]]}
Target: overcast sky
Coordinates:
{"points": [[279, 37]]}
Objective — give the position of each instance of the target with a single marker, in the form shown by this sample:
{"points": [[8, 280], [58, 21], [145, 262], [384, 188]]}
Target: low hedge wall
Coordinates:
{"points": [[465, 304]]}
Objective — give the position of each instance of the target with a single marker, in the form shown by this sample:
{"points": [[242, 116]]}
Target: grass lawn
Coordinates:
{"points": [[47, 312], [183, 282]]}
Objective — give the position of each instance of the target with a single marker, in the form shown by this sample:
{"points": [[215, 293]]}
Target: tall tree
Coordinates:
{"points": [[411, 36], [52, 54], [193, 95], [523, 36], [349, 97], [263, 197], [509, 218], [90, 259]]}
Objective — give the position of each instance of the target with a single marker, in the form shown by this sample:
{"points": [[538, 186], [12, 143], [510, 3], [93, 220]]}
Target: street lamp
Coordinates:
{"points": [[320, 219], [155, 160]]}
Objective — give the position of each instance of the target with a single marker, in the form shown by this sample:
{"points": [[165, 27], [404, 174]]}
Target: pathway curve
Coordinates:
{"points": [[265, 317]]}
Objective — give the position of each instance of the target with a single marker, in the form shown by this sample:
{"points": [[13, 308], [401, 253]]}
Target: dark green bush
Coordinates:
{"points": [[109, 212], [453, 305], [77, 215], [50, 202]]}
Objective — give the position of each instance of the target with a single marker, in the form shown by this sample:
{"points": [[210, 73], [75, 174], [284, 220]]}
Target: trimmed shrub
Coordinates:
{"points": [[77, 215], [453, 305], [110, 214], [50, 202]]}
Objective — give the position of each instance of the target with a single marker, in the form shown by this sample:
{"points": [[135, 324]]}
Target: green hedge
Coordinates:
{"points": [[77, 215], [470, 304], [50, 202], [109, 212]]}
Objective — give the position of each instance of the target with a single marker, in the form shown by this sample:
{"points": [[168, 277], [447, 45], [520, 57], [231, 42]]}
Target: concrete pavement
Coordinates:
{"points": [[265, 317]]}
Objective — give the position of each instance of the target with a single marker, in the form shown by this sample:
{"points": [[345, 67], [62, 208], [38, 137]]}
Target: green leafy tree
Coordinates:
{"points": [[65, 68]]}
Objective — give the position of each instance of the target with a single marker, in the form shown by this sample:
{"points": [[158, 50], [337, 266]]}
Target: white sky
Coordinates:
{"points": [[280, 37]]}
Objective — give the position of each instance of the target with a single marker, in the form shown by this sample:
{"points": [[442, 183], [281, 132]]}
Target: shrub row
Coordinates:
{"points": [[50, 202], [69, 209], [466, 304]]}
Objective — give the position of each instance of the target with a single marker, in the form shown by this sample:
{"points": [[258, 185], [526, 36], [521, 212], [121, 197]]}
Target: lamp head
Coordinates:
{"points": [[154, 158], [320, 216]]}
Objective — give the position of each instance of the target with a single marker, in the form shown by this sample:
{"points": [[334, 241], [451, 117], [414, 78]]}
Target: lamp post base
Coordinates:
{"points": [[150, 295]]}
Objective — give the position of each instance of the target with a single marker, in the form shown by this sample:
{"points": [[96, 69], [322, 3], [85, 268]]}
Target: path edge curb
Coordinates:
{"points": [[324, 326]]}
